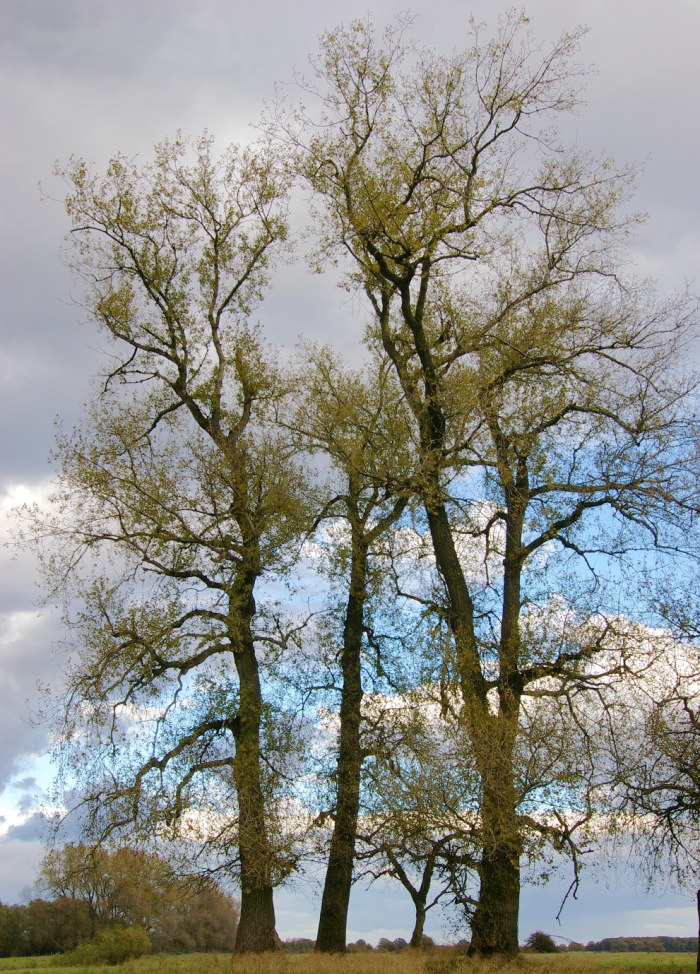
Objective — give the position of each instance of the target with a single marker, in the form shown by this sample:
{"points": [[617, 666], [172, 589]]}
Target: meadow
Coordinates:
{"points": [[428, 963]]}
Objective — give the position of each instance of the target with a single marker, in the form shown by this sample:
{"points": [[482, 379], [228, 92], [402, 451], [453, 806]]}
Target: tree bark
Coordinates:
{"points": [[256, 926], [495, 921], [417, 935], [697, 963], [332, 926]]}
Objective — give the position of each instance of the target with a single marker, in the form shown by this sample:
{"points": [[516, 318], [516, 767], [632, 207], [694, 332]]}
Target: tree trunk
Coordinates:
{"points": [[495, 921], [417, 935], [697, 962], [332, 925], [256, 926]]}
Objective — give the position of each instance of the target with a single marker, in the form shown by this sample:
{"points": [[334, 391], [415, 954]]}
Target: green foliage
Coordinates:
{"points": [[359, 947], [113, 946], [99, 888], [541, 943], [392, 946], [43, 927], [661, 944], [526, 436]]}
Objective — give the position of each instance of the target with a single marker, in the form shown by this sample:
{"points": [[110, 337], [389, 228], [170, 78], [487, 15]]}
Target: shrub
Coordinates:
{"points": [[113, 946]]}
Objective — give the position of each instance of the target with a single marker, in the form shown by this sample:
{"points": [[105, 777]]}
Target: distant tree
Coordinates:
{"points": [[203, 920], [392, 946], [299, 945], [11, 925], [419, 798], [359, 947], [56, 926], [541, 943], [43, 927], [120, 886]]}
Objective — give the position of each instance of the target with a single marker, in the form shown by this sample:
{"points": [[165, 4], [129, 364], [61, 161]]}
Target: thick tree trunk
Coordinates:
{"points": [[495, 921], [332, 926], [256, 926]]}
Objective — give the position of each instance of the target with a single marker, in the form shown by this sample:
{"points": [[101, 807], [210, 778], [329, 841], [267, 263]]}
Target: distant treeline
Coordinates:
{"points": [[205, 921], [302, 945], [93, 890], [639, 944]]}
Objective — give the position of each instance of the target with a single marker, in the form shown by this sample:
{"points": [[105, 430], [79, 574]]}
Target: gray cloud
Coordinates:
{"points": [[26, 784], [19, 864], [33, 829], [25, 659]]}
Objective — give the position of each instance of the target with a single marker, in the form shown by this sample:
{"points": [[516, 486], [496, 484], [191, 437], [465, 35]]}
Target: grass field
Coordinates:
{"points": [[437, 963]]}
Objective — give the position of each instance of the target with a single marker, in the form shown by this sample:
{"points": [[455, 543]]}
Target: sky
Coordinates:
{"points": [[92, 77]]}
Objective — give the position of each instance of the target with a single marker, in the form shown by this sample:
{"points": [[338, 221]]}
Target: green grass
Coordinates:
{"points": [[431, 963], [597, 963]]}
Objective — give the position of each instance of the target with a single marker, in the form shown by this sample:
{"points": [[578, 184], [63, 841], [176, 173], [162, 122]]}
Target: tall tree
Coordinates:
{"points": [[358, 422], [182, 497], [542, 387]]}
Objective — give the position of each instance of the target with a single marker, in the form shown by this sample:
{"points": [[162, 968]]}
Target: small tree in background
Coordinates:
{"points": [[541, 943]]}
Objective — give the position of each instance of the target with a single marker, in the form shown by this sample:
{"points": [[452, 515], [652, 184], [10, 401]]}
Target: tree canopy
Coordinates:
{"points": [[470, 506]]}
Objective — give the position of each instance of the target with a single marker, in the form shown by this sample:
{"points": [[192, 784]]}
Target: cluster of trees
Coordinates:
{"points": [[94, 890], [42, 927], [391, 617], [653, 944]]}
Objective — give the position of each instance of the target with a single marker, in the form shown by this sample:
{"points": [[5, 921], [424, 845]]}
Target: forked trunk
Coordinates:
{"points": [[333, 919]]}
